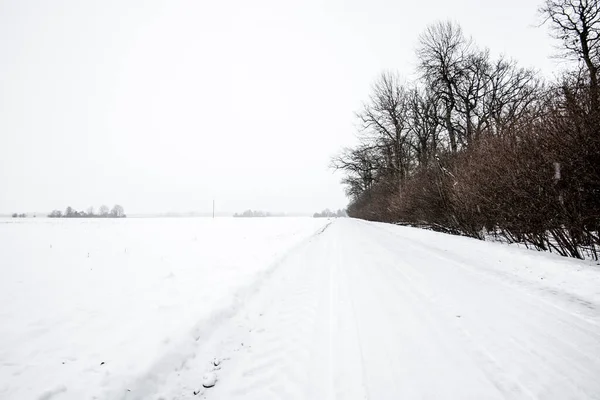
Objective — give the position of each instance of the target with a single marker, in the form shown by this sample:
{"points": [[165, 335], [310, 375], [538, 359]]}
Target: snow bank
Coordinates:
{"points": [[89, 306]]}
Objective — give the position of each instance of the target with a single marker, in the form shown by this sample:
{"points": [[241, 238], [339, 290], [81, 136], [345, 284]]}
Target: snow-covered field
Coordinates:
{"points": [[288, 309], [89, 306]]}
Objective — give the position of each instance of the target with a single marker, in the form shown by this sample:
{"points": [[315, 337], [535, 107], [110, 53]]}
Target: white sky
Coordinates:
{"points": [[163, 105]]}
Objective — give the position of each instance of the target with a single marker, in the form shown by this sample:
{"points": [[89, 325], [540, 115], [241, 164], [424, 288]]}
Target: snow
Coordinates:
{"points": [[89, 306], [289, 308], [374, 311]]}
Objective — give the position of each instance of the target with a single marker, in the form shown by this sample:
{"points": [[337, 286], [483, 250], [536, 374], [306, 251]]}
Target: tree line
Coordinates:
{"points": [[327, 213], [103, 212], [252, 214], [480, 146]]}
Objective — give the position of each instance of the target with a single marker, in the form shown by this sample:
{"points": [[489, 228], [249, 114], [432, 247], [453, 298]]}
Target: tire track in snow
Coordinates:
{"points": [[277, 365], [416, 323], [177, 374]]}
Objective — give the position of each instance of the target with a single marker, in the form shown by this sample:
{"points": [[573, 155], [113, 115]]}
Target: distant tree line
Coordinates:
{"points": [[327, 213], [17, 215], [103, 212], [480, 146], [255, 214], [251, 214]]}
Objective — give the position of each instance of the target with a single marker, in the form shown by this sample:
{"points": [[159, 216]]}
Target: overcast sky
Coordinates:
{"points": [[165, 105]]}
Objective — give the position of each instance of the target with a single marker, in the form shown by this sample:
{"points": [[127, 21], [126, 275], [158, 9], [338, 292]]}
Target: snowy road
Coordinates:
{"points": [[373, 311]]}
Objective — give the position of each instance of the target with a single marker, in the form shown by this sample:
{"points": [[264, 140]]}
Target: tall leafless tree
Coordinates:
{"points": [[441, 53], [424, 123], [385, 123], [576, 23]]}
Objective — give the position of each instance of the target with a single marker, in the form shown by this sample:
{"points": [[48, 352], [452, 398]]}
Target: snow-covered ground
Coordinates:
{"points": [[87, 307], [375, 311], [289, 309]]}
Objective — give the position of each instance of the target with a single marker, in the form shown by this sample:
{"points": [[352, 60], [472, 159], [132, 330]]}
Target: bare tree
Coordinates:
{"points": [[117, 211], [424, 123], [471, 89], [55, 214], [512, 98], [103, 211], [361, 167], [441, 52], [385, 123], [577, 24]]}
